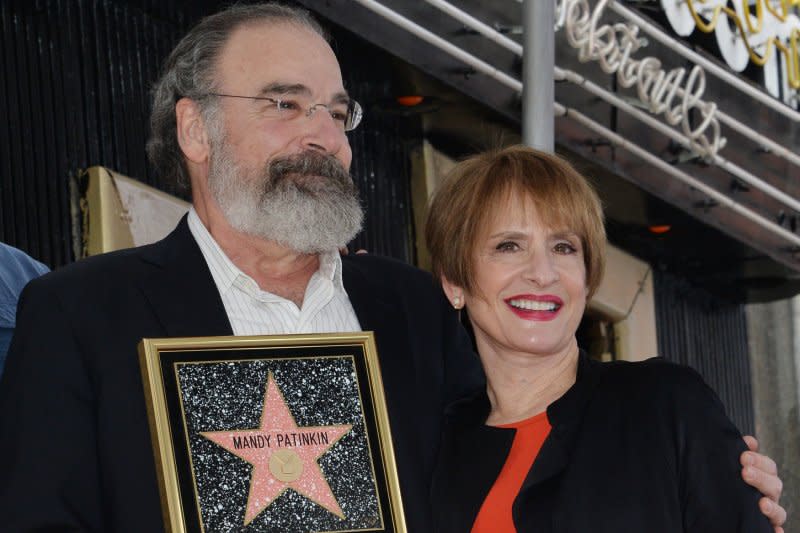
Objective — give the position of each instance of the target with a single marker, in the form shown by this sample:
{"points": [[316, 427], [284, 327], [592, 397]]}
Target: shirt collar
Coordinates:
{"points": [[330, 268], [225, 272], [222, 268]]}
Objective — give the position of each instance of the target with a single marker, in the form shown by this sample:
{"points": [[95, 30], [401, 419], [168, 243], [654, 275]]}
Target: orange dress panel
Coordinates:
{"points": [[495, 514]]}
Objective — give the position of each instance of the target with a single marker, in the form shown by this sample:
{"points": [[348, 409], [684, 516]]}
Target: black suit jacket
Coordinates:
{"points": [[75, 451], [634, 447]]}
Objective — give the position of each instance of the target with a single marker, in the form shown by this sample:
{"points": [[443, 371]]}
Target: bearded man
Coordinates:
{"points": [[251, 111]]}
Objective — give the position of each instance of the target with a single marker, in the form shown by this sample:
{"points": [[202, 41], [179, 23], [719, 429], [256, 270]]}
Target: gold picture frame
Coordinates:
{"points": [[271, 433]]}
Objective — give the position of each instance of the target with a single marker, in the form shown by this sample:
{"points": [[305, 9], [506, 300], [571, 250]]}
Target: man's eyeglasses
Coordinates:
{"points": [[346, 114]]}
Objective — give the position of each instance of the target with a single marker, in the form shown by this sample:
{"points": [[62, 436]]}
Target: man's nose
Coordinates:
{"points": [[323, 132]]}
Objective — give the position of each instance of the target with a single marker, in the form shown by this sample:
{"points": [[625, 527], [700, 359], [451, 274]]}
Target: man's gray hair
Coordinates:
{"points": [[189, 72]]}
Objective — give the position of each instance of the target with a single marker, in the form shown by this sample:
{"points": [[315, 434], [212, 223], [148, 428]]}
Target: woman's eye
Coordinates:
{"points": [[565, 248], [507, 246]]}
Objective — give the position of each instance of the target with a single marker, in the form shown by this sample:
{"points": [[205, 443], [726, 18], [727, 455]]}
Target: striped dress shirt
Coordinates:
{"points": [[251, 311]]}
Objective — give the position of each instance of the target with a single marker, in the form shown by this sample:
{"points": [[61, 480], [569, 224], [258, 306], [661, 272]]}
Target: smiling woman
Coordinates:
{"points": [[480, 188], [530, 284], [559, 442]]}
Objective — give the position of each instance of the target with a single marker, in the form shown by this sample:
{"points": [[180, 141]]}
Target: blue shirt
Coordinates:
{"points": [[16, 269]]}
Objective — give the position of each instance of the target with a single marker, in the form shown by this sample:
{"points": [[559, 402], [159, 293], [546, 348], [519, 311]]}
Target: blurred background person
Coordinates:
{"points": [[16, 269]]}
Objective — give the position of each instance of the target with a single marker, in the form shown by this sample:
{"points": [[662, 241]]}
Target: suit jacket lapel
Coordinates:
{"points": [[181, 291], [390, 326], [368, 296], [385, 319], [371, 310]]}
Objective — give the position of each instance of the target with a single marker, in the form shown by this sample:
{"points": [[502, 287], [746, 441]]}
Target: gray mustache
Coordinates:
{"points": [[308, 164]]}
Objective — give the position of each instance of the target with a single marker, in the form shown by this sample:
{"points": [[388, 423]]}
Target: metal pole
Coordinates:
{"points": [[538, 61]]}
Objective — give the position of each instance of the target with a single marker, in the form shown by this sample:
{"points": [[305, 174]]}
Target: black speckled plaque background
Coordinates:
{"points": [[224, 390]]}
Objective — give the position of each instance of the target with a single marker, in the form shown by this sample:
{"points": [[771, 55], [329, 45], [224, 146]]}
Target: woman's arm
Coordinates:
{"points": [[709, 447]]}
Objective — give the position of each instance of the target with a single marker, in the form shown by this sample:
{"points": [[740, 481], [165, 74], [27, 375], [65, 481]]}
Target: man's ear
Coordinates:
{"points": [[192, 133], [454, 293]]}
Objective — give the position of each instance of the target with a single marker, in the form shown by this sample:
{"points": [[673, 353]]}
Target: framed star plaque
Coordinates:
{"points": [[271, 434]]}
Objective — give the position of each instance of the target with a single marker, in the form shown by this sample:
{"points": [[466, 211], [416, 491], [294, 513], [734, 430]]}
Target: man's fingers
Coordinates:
{"points": [[752, 442], [773, 511], [767, 483], [759, 462]]}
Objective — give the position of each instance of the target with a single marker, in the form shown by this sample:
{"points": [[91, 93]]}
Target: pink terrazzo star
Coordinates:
{"points": [[283, 455]]}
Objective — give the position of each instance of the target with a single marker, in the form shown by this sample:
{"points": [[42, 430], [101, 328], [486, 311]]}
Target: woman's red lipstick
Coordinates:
{"points": [[535, 306]]}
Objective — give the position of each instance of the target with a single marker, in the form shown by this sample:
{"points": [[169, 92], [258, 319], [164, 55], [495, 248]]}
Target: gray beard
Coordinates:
{"points": [[306, 202]]}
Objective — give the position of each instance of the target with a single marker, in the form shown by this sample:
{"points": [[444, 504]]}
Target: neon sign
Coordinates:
{"points": [[753, 31], [673, 93]]}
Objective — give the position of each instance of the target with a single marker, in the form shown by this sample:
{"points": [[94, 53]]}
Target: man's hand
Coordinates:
{"points": [[761, 472]]}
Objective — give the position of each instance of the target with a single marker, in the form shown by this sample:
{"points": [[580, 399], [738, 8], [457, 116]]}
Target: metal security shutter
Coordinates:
{"points": [[700, 330]]}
